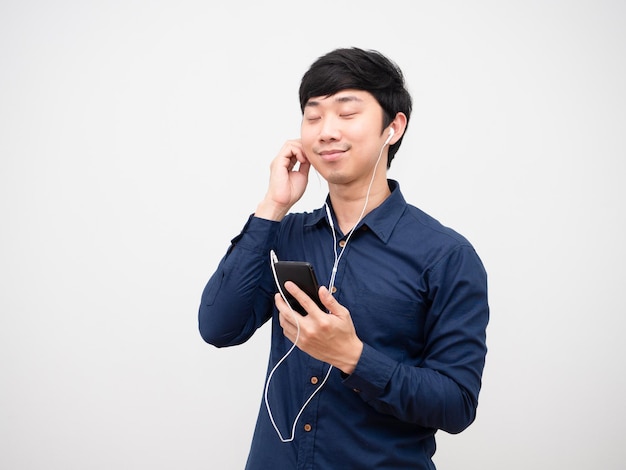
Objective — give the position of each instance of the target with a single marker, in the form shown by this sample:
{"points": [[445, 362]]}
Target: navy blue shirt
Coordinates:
{"points": [[417, 294]]}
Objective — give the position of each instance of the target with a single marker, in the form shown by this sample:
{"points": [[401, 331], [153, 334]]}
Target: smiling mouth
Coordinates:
{"points": [[332, 154]]}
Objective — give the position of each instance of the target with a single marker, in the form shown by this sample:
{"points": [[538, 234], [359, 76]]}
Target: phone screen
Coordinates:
{"points": [[302, 274]]}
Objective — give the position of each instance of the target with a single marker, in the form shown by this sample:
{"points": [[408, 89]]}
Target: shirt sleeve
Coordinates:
{"points": [[442, 392], [238, 297]]}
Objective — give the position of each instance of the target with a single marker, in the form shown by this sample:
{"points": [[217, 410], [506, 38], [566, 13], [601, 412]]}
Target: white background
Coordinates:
{"points": [[135, 139]]}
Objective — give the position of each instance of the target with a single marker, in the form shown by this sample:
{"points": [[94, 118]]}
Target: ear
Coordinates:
{"points": [[399, 126]]}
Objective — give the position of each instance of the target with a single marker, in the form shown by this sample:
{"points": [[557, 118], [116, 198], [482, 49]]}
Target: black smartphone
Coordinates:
{"points": [[302, 274]]}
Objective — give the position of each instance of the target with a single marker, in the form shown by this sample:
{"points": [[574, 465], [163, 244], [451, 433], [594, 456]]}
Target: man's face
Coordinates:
{"points": [[341, 135]]}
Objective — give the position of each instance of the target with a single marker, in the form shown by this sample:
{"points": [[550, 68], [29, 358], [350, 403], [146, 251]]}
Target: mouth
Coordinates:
{"points": [[330, 155]]}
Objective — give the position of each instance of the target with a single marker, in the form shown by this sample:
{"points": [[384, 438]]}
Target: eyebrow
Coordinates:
{"points": [[339, 99]]}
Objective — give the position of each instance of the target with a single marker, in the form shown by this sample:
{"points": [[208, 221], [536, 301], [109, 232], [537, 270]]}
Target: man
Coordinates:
{"points": [[399, 351]]}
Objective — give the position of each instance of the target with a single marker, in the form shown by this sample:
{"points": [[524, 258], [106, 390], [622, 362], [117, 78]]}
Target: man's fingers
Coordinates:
{"points": [[329, 301], [301, 297]]}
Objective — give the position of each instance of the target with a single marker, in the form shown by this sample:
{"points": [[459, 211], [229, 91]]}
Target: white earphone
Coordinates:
{"points": [[391, 133]]}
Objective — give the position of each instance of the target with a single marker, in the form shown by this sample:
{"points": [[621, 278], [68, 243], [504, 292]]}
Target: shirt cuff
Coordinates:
{"points": [[372, 374]]}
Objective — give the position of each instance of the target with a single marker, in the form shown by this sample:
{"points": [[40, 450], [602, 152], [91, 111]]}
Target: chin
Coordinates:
{"points": [[336, 177], [341, 180]]}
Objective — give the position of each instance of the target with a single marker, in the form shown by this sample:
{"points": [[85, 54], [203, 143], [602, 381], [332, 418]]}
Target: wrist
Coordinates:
{"points": [[352, 358], [271, 211]]}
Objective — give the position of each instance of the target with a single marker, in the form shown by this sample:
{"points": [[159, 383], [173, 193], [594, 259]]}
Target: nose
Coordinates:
{"points": [[330, 130]]}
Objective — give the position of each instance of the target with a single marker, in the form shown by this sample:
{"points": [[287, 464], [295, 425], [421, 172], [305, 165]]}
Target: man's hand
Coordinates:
{"points": [[286, 185], [328, 337]]}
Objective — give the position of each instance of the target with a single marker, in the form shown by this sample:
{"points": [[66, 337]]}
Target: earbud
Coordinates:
{"points": [[391, 133]]}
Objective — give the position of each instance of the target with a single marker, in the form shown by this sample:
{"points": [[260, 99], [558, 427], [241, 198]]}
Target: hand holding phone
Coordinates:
{"points": [[302, 274]]}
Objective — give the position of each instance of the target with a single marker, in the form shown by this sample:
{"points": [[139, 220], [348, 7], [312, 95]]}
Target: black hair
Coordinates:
{"points": [[367, 70]]}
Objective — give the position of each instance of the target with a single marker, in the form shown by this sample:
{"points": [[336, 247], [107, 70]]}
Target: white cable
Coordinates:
{"points": [[273, 259], [367, 197]]}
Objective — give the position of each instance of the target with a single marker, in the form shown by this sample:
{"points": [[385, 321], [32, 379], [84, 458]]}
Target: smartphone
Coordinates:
{"points": [[302, 274]]}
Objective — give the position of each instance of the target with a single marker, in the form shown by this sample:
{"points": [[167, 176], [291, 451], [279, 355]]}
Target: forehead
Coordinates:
{"points": [[341, 97]]}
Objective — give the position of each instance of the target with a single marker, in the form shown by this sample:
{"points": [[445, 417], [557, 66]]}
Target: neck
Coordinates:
{"points": [[348, 203]]}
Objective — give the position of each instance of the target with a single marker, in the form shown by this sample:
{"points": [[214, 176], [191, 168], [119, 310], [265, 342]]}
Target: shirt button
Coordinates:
{"points": [[307, 427], [333, 290], [356, 390], [342, 243], [314, 380]]}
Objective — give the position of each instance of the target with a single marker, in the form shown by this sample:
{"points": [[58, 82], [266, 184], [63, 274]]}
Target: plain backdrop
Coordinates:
{"points": [[135, 140]]}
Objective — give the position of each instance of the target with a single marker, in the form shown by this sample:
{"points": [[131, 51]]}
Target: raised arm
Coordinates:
{"points": [[238, 297]]}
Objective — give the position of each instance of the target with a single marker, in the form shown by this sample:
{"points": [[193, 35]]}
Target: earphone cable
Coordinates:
{"points": [[332, 226], [274, 259]]}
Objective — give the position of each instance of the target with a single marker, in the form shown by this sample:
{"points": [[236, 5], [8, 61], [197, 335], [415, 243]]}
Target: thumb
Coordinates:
{"points": [[331, 304]]}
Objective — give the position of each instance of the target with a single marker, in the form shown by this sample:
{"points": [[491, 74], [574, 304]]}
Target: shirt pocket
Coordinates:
{"points": [[390, 325]]}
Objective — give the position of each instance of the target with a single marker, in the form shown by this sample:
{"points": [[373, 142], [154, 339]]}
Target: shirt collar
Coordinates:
{"points": [[381, 221]]}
